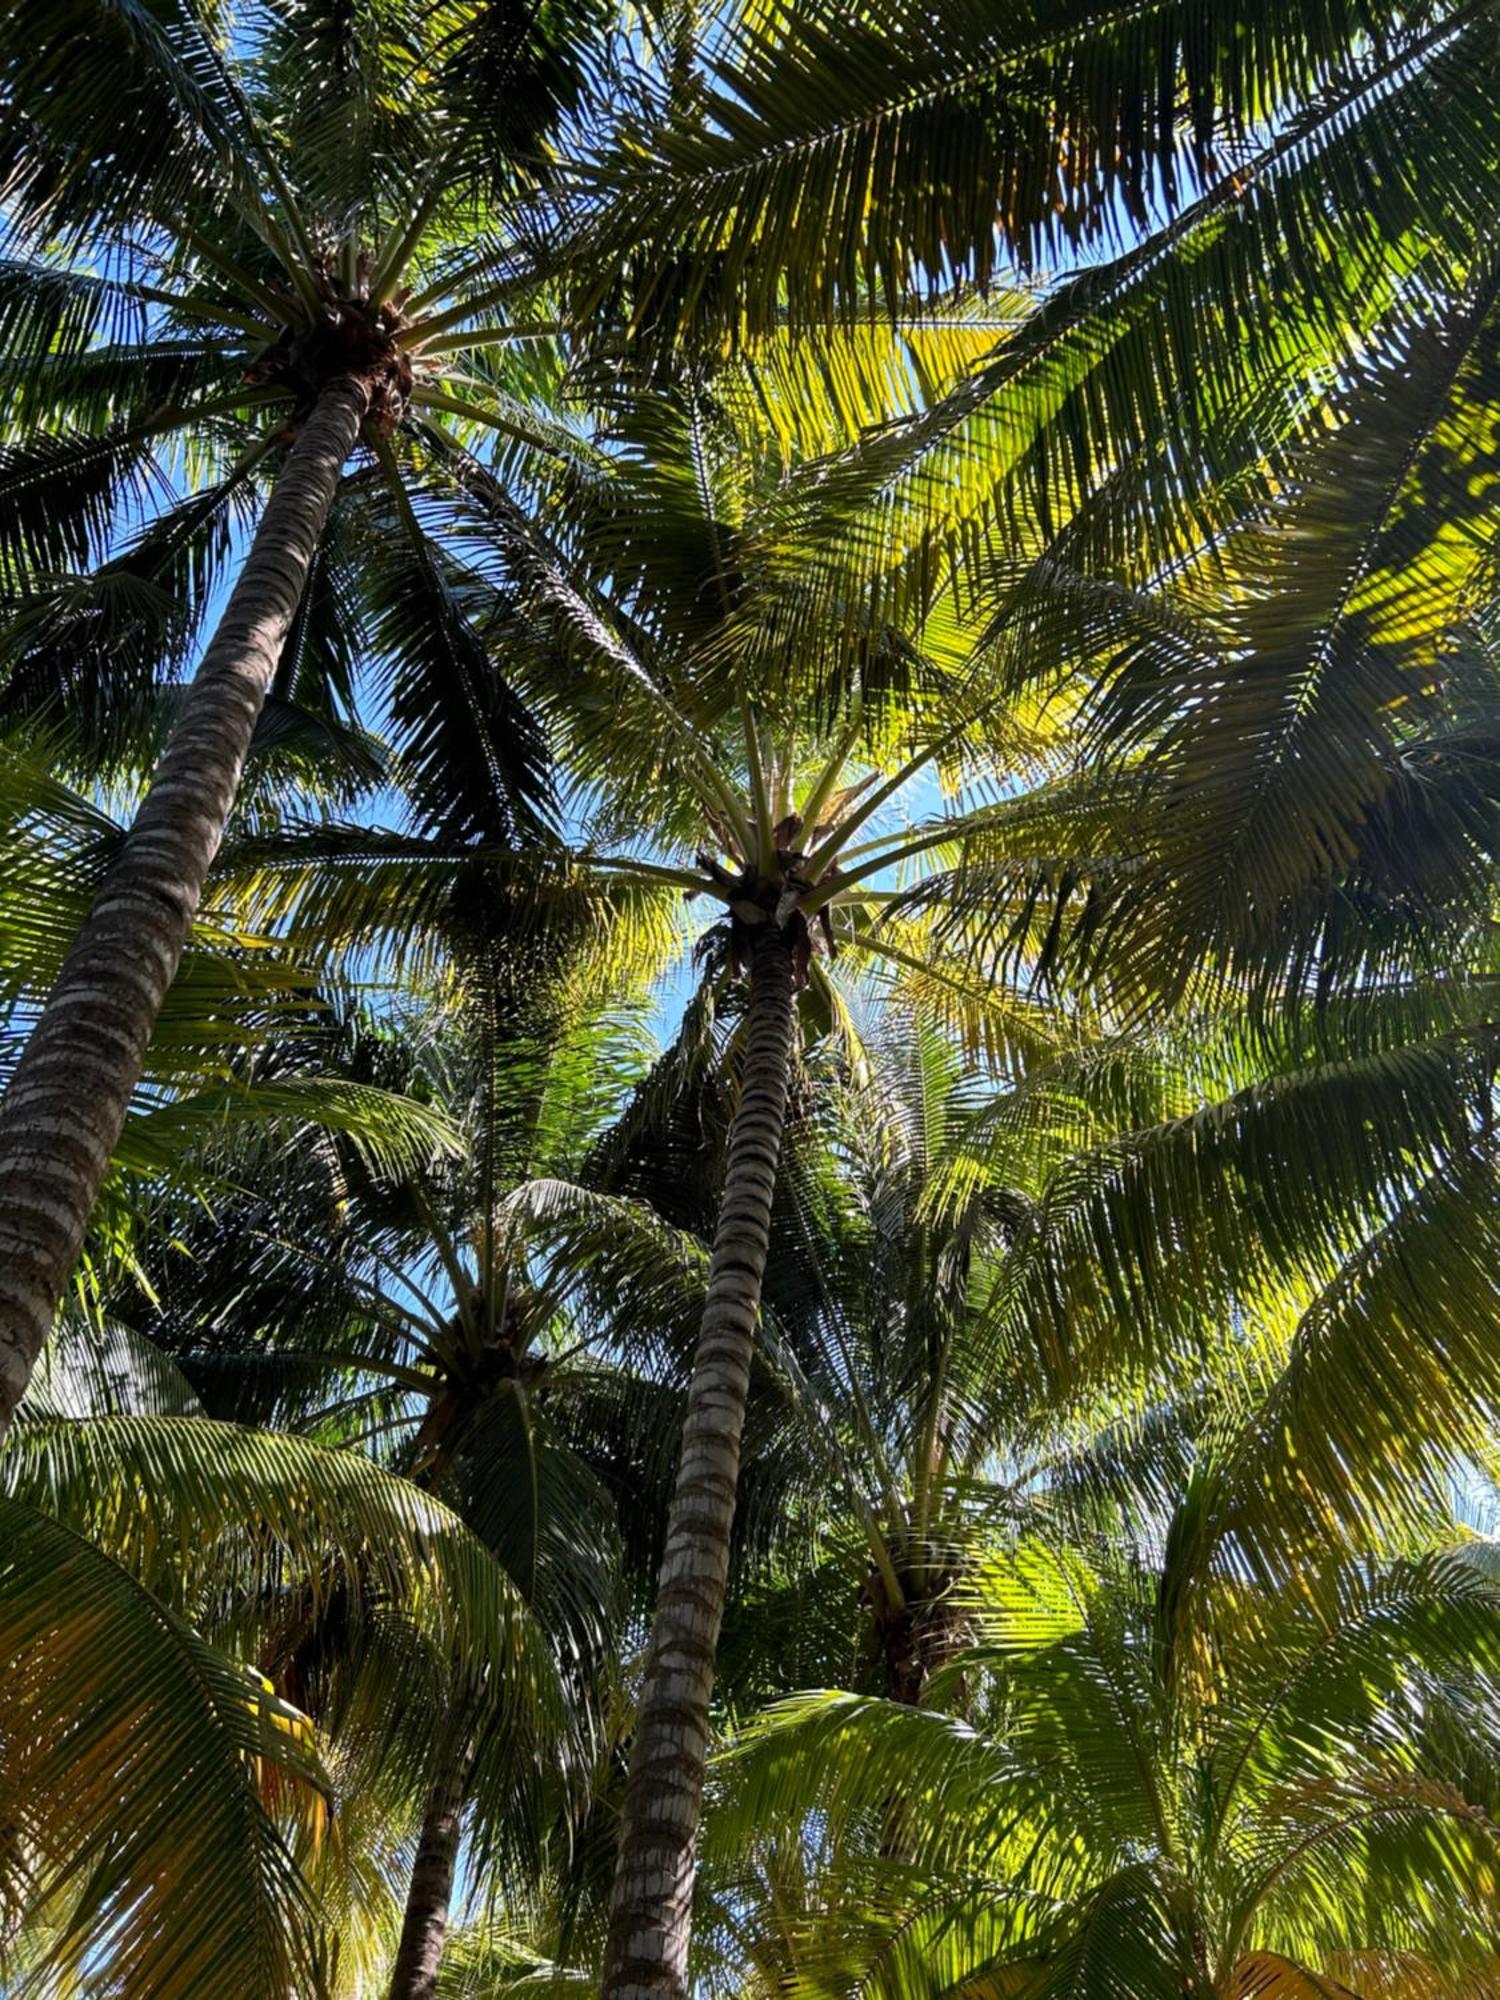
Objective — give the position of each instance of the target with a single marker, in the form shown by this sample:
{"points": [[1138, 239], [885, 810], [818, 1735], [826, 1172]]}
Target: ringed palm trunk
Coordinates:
{"points": [[424, 1927], [651, 1908], [429, 1893], [62, 1113]]}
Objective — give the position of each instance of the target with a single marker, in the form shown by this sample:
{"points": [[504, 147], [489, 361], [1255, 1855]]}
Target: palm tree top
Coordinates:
{"points": [[259, 215]]}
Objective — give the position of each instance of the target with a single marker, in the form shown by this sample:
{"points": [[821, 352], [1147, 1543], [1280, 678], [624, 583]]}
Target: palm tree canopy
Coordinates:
{"points": [[979, 517], [1235, 1811]]}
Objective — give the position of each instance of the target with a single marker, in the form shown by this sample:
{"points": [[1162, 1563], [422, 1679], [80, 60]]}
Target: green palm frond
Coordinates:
{"points": [[388, 1131], [58, 494], [236, 1510], [1411, 1318], [139, 1833], [1371, 1118], [1121, 1825], [916, 147], [1124, 1947], [107, 1368], [472, 758], [49, 312], [157, 117], [645, 1277], [1318, 754]]}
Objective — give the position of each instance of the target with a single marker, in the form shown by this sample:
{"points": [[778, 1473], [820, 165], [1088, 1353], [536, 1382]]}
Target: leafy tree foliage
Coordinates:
{"points": [[825, 1138]]}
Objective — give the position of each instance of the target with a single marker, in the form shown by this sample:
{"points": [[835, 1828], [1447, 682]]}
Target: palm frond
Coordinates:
{"points": [[235, 1510], [130, 1780]]}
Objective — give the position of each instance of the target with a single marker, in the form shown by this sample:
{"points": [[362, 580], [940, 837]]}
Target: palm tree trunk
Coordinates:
{"points": [[424, 1928], [651, 1910], [61, 1116]]}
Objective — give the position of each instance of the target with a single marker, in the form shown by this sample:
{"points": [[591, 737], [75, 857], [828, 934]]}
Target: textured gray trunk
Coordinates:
{"points": [[424, 1928], [62, 1114], [651, 1910]]}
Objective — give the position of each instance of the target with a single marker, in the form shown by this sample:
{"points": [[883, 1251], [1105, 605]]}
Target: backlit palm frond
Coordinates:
{"points": [[829, 158], [418, 904], [93, 1368], [1324, 756], [1141, 1234], [388, 1131], [809, 392], [1172, 369], [1411, 1318], [619, 1260], [49, 313], [137, 1761], [238, 1512]]}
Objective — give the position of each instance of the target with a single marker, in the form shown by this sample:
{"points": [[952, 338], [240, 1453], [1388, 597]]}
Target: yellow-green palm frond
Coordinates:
{"points": [[137, 1766], [208, 1514]]}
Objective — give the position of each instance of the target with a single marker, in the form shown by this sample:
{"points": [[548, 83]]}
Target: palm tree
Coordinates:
{"points": [[260, 257], [878, 1336], [1127, 1216], [1302, 796], [1199, 242], [1270, 1792], [726, 697], [757, 719], [407, 1311]]}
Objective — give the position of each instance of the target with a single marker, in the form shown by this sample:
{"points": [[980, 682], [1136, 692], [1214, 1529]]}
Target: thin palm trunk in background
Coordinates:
{"points": [[424, 1928], [429, 1892], [63, 1111], [651, 1911]]}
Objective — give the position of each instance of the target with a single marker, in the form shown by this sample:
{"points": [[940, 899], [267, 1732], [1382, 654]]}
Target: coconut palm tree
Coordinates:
{"points": [[409, 1312], [975, 1275], [741, 734], [879, 1341], [765, 732], [1002, 1285], [1255, 229], [255, 260], [409, 1734], [243, 1071]]}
